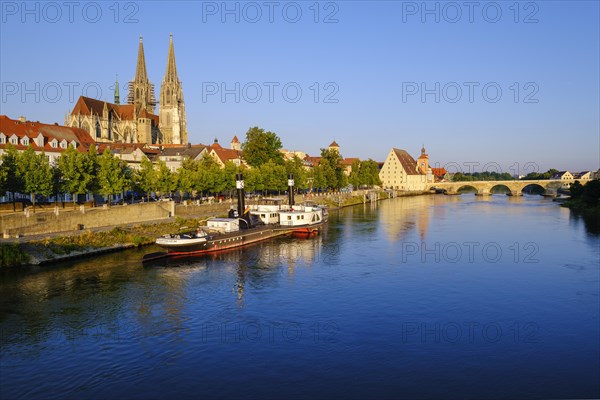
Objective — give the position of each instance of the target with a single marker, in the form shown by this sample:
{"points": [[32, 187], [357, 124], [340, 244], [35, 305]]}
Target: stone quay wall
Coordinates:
{"points": [[27, 222]]}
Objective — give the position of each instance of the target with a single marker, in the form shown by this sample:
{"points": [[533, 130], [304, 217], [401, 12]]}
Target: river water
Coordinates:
{"points": [[431, 296]]}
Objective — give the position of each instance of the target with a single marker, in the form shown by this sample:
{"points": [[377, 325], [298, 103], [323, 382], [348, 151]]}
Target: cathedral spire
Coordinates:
{"points": [[171, 74], [140, 71], [172, 121], [117, 97], [141, 91]]}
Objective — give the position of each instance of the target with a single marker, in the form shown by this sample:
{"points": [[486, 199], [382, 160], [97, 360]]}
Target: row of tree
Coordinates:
{"points": [[262, 150], [78, 173], [482, 176]]}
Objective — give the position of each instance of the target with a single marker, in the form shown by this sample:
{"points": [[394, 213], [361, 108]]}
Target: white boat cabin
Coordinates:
{"points": [[301, 215], [268, 210], [225, 225]]}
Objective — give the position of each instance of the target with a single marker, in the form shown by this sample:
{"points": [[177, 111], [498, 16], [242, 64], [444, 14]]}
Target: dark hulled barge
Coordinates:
{"points": [[254, 224]]}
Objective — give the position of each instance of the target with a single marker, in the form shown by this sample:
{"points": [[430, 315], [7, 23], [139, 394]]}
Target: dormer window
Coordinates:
{"points": [[74, 144], [25, 141], [54, 143], [14, 139], [39, 140], [63, 144]]}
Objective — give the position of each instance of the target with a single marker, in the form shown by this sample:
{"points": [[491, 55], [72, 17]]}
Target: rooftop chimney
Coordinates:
{"points": [[22, 119]]}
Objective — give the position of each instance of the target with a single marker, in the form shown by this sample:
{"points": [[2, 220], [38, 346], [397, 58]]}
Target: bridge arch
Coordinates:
{"points": [[501, 188], [466, 188], [533, 188]]}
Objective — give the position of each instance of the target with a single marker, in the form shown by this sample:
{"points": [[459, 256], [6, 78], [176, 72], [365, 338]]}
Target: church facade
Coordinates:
{"points": [[136, 121]]}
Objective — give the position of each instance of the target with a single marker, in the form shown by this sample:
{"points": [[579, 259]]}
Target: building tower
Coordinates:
{"points": [[141, 91], [334, 147], [423, 161], [235, 143], [172, 121], [117, 97]]}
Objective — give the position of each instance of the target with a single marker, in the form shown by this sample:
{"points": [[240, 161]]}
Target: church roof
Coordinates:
{"points": [[408, 163], [235, 139], [334, 144], [125, 112]]}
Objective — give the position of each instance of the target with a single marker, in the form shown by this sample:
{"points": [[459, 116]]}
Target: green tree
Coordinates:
{"points": [[356, 174], [112, 175], [9, 166], [253, 180], [89, 165], [165, 184], [318, 177], [333, 171], [36, 173], [208, 175], [273, 176], [261, 146], [369, 173], [296, 166], [228, 176], [73, 176], [186, 175], [145, 177]]}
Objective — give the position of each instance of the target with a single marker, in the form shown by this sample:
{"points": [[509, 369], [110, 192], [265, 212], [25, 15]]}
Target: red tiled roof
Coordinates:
{"points": [[226, 154], [32, 130], [313, 160], [235, 139], [88, 106], [438, 172], [349, 160], [408, 163]]}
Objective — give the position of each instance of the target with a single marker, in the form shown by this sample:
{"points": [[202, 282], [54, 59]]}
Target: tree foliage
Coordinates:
{"points": [[11, 181], [332, 169], [113, 174], [35, 172], [261, 147]]}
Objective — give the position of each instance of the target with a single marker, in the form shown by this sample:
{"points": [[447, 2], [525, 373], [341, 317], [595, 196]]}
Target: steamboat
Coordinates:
{"points": [[249, 225]]}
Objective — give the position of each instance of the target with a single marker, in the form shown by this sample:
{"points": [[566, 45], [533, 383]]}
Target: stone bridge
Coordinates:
{"points": [[515, 187]]}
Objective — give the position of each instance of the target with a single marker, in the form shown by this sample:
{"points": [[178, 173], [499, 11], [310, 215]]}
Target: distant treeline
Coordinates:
{"points": [[501, 176]]}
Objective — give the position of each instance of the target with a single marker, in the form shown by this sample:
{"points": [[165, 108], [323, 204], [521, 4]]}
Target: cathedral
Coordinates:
{"points": [[136, 121]]}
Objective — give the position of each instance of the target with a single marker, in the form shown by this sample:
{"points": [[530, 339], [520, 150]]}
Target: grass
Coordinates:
{"points": [[138, 235], [11, 255]]}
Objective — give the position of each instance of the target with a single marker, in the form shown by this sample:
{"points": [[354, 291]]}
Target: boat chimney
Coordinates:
{"points": [[241, 206], [291, 189]]}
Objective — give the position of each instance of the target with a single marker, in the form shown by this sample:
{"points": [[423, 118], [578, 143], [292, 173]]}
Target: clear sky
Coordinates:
{"points": [[511, 83]]}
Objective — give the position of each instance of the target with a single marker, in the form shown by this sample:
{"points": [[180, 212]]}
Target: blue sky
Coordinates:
{"points": [[371, 62]]}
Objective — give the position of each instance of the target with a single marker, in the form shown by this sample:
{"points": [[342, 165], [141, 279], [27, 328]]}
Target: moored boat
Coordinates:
{"points": [[255, 224]]}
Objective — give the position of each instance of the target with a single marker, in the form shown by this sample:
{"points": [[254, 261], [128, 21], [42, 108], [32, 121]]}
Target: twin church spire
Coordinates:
{"points": [[172, 121]]}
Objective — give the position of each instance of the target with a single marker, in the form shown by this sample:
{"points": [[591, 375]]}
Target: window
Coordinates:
{"points": [[2, 139], [25, 141], [54, 143], [14, 140]]}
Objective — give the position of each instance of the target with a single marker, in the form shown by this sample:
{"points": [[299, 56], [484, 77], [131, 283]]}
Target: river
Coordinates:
{"points": [[420, 297]]}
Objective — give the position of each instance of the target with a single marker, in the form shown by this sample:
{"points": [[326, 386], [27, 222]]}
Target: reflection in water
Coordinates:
{"points": [[591, 222], [78, 298], [271, 317]]}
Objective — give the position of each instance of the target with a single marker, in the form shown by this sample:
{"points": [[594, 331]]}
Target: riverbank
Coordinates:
{"points": [[55, 248], [52, 248]]}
